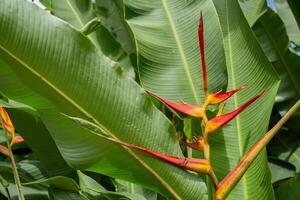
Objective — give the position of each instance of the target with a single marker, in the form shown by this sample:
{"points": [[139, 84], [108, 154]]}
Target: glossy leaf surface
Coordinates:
{"points": [[167, 40], [78, 81]]}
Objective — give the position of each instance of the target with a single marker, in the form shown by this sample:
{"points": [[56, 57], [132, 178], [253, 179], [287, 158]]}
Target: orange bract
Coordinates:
{"points": [[189, 109]]}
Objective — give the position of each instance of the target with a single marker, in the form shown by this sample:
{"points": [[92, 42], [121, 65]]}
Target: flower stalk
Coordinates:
{"points": [[13, 162]]}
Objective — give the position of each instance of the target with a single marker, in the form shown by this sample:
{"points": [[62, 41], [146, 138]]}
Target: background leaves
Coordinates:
{"points": [[48, 68]]}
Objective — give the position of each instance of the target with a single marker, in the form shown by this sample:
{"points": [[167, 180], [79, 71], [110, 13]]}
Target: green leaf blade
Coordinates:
{"points": [[62, 66], [246, 65], [166, 34]]}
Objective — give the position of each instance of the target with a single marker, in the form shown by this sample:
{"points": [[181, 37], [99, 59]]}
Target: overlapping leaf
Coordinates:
{"points": [[61, 64], [80, 13], [246, 65]]}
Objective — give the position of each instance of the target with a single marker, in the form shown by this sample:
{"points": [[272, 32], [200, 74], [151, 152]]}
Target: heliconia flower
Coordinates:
{"points": [[201, 46], [8, 124], [4, 150], [219, 97], [219, 121], [18, 139], [192, 164], [188, 109], [198, 144]]}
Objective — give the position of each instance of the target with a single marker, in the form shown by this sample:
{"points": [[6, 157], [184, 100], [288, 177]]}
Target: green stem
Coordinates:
{"points": [[13, 164], [231, 179]]}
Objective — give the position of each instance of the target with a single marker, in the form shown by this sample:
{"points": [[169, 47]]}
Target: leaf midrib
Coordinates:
{"points": [[243, 179], [181, 51], [90, 116]]}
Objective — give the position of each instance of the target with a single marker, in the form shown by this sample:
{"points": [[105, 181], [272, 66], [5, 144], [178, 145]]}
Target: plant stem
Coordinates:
{"points": [[231, 179], [13, 164]]}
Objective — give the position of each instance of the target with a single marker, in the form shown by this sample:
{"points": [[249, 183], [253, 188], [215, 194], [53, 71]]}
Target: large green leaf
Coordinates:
{"points": [[169, 61], [246, 65], [40, 142], [29, 125], [273, 37], [61, 64]]}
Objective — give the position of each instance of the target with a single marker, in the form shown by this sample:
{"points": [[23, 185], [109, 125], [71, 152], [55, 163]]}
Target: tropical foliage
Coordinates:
{"points": [[113, 99]]}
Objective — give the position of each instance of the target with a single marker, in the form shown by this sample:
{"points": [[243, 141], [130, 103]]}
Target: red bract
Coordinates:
{"points": [[219, 121], [202, 55], [218, 97], [189, 109], [192, 164]]}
